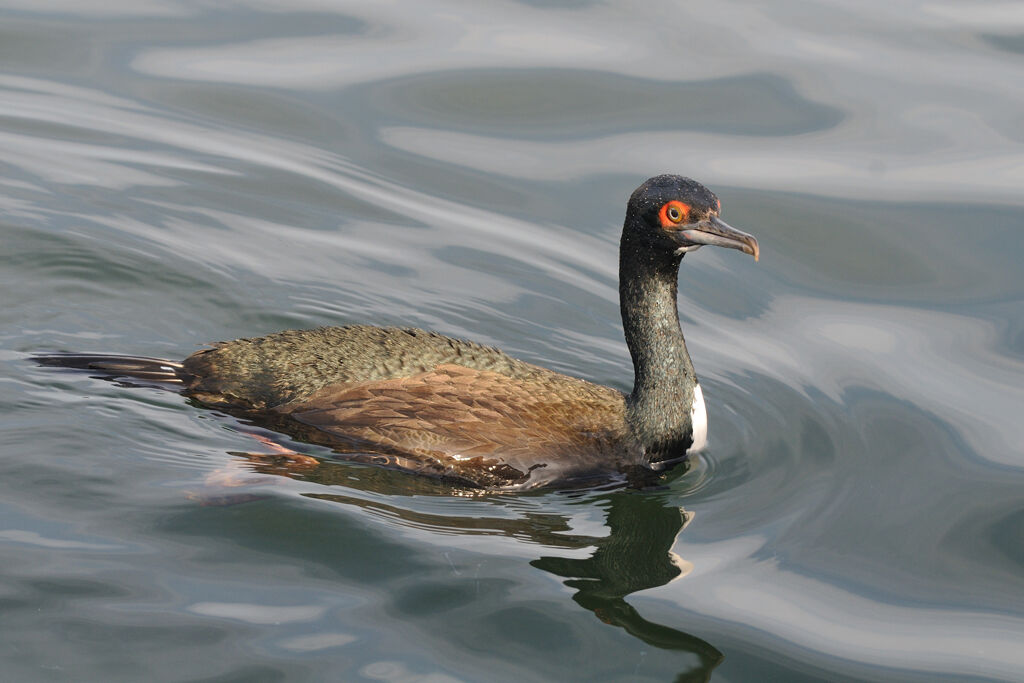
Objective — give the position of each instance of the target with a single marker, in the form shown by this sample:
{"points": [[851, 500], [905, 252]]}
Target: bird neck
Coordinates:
{"points": [[658, 409]]}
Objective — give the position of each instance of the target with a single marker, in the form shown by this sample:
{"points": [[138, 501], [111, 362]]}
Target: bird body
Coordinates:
{"points": [[458, 410], [421, 401]]}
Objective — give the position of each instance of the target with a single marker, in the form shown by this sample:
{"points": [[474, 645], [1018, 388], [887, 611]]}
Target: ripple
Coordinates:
{"points": [[258, 614], [549, 104], [256, 166], [33, 538]]}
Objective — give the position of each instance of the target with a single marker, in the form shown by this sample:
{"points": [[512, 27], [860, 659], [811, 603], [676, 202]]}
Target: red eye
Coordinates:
{"points": [[674, 213]]}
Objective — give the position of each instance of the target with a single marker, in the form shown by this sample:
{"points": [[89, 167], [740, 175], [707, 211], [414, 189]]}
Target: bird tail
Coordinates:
{"points": [[113, 366]]}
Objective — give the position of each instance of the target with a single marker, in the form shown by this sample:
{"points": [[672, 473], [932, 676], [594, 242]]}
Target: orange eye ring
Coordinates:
{"points": [[673, 213]]}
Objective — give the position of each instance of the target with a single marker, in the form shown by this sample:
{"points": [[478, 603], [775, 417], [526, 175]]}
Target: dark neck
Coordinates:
{"points": [[658, 409]]}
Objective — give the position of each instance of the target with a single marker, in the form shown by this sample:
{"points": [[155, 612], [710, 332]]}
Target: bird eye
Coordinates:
{"points": [[672, 213]]}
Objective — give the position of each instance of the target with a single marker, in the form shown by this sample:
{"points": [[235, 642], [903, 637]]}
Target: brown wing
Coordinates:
{"points": [[479, 425]]}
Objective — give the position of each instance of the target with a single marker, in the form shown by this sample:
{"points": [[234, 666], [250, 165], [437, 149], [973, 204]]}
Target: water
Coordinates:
{"points": [[180, 172]]}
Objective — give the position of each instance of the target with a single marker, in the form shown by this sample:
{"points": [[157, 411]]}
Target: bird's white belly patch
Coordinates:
{"points": [[699, 420]]}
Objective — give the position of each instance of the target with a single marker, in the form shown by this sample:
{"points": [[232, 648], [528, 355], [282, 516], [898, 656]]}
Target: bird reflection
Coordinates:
{"points": [[635, 555]]}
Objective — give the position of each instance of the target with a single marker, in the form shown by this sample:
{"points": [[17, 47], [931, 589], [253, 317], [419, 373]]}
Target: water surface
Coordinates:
{"points": [[175, 173]]}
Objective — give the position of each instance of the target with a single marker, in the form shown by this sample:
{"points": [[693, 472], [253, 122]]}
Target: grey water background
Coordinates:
{"points": [[176, 172]]}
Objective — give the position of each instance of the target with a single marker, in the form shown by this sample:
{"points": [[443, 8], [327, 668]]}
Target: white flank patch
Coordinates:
{"points": [[699, 420]]}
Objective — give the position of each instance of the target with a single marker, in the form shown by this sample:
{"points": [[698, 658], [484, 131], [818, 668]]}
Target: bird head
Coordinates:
{"points": [[679, 215]]}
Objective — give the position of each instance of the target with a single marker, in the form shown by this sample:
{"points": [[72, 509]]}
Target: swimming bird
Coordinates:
{"points": [[468, 413]]}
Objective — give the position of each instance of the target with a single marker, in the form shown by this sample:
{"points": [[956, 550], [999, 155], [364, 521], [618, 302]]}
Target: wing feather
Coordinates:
{"points": [[470, 421]]}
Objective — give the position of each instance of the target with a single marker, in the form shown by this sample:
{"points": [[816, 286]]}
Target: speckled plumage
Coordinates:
{"points": [[450, 408], [425, 402], [266, 372]]}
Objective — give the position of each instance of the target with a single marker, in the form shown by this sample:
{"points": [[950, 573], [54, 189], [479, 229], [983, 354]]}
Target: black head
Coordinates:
{"points": [[676, 215]]}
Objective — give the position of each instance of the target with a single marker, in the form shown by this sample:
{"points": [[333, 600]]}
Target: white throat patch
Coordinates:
{"points": [[699, 420]]}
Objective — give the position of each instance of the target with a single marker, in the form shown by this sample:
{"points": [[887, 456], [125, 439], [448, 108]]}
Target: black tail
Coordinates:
{"points": [[111, 366]]}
